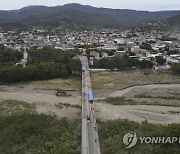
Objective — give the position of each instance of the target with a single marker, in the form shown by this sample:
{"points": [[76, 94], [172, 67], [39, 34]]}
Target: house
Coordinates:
{"points": [[119, 53], [173, 58]]}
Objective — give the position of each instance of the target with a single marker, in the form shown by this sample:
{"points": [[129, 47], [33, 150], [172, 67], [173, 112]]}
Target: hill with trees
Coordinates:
{"points": [[174, 21], [80, 15]]}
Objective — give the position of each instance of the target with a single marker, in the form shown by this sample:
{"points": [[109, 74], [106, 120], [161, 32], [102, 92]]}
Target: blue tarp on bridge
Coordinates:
{"points": [[91, 96]]}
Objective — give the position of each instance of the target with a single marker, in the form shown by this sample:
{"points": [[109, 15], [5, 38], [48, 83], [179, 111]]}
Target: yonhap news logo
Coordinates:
{"points": [[131, 139]]}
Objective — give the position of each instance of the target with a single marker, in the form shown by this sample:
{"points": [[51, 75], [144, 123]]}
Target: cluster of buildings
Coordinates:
{"points": [[100, 41]]}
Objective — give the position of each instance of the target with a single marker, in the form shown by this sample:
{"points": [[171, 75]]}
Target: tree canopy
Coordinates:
{"points": [[160, 60], [8, 55], [121, 63], [46, 63]]}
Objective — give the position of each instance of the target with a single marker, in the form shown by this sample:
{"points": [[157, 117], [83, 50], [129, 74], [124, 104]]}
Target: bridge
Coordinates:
{"points": [[89, 132]]}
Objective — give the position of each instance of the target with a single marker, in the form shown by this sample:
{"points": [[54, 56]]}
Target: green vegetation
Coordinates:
{"points": [[121, 63], [29, 132], [176, 68], [171, 52], [174, 112], [174, 21], [143, 96], [120, 101], [78, 16], [169, 39], [13, 107], [146, 64], [162, 97], [41, 71], [60, 105], [128, 78], [111, 135], [9, 56], [46, 63], [160, 60], [49, 54], [131, 101], [146, 45], [72, 83]]}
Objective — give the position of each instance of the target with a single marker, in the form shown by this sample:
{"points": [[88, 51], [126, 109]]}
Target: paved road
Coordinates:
{"points": [[90, 139]]}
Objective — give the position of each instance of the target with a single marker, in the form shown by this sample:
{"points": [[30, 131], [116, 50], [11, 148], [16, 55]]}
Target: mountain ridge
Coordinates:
{"points": [[82, 15]]}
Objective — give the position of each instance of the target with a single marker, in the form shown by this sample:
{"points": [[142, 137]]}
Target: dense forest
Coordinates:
{"points": [[46, 63], [121, 63], [9, 56], [49, 54]]}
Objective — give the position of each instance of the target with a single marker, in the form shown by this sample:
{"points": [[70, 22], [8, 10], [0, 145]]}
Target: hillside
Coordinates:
{"points": [[174, 21], [81, 15]]}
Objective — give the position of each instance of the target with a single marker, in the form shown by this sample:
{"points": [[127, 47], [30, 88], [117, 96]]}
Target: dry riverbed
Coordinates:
{"points": [[45, 101], [164, 108], [162, 99]]}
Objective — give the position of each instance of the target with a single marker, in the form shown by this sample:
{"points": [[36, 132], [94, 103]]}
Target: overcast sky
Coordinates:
{"points": [[152, 5]]}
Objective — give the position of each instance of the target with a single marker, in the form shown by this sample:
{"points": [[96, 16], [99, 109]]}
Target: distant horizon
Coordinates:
{"points": [[171, 8]]}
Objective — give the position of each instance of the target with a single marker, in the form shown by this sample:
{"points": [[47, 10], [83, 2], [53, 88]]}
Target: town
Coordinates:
{"points": [[137, 43], [76, 78]]}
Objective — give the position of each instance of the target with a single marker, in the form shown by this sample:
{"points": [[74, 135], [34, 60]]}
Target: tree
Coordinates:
{"points": [[160, 60], [171, 52], [110, 53], [9, 55], [176, 68], [131, 53], [145, 45], [121, 49], [111, 64], [2, 47], [146, 64], [131, 62], [75, 65], [100, 54], [42, 71]]}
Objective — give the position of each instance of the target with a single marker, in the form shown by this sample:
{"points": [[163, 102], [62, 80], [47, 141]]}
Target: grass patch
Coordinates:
{"points": [[142, 96], [38, 133], [73, 83], [111, 135], [162, 97], [120, 101], [60, 105], [13, 107], [174, 112], [174, 93], [124, 79], [129, 101]]}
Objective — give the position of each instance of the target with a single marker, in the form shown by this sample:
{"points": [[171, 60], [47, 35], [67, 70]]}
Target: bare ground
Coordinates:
{"points": [[138, 113], [156, 114], [44, 100], [160, 88]]}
